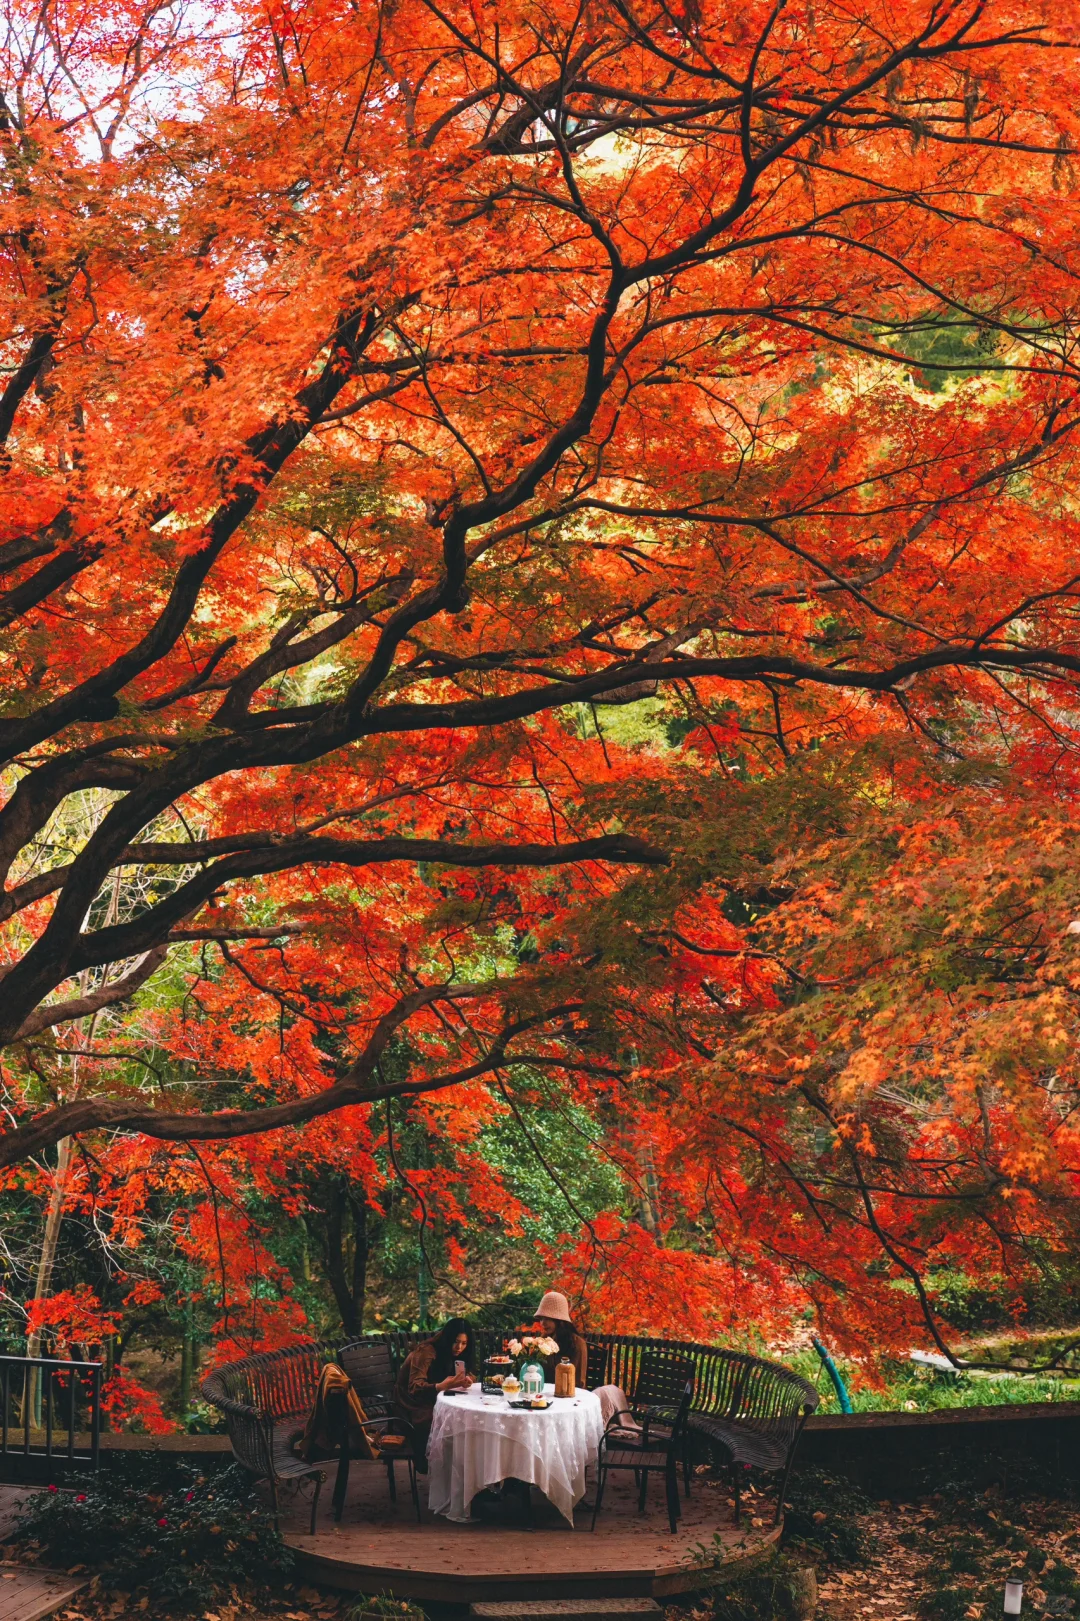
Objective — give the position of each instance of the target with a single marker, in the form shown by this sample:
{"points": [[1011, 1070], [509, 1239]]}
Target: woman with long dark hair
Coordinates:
{"points": [[447, 1361]]}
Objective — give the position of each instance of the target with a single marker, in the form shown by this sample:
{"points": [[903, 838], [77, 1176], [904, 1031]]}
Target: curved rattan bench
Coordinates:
{"points": [[751, 1409], [266, 1398]]}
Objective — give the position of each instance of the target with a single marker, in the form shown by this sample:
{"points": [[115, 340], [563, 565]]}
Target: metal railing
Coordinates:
{"points": [[50, 1409]]}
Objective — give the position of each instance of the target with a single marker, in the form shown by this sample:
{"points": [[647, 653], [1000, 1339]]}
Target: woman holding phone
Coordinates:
{"points": [[445, 1362]]}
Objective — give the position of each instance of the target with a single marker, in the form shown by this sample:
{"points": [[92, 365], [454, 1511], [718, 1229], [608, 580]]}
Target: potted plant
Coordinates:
{"points": [[385, 1607]]}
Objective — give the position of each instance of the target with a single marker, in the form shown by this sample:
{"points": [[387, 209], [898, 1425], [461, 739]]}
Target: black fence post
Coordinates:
{"points": [[50, 1374]]}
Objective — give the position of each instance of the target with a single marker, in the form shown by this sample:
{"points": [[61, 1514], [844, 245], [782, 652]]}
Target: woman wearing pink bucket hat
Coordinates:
{"points": [[553, 1313]]}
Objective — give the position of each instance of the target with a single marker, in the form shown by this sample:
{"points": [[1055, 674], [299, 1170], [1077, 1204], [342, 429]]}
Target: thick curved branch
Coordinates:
{"points": [[134, 1114], [569, 688], [79, 1007], [269, 450], [42, 790], [276, 931], [123, 940], [14, 553], [186, 688], [47, 579], [25, 376]]}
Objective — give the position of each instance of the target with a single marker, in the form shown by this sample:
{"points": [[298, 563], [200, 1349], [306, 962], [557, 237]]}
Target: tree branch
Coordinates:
{"points": [[78, 1007], [133, 1114]]}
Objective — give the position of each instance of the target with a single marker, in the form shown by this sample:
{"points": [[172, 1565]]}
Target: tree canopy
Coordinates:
{"points": [[538, 548]]}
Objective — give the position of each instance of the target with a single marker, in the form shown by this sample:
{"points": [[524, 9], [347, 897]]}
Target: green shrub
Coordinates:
{"points": [[945, 1604], [825, 1512], [395, 1609], [776, 1590], [967, 1556], [184, 1536]]}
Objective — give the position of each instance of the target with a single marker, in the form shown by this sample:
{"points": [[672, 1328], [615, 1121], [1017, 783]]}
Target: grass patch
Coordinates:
{"points": [[909, 1388]]}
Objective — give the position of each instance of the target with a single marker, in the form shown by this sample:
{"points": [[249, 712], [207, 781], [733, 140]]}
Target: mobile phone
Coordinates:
{"points": [[459, 1367]]}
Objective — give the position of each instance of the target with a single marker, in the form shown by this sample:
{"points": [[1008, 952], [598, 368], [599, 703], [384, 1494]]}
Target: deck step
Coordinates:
{"points": [[568, 1609]]}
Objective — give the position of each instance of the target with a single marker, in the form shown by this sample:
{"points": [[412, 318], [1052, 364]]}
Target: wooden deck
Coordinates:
{"points": [[379, 1547], [11, 1500], [30, 1594]]}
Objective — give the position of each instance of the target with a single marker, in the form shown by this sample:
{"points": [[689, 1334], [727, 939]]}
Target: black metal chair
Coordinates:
{"points": [[372, 1368], [663, 1375], [653, 1449], [751, 1409], [381, 1430]]}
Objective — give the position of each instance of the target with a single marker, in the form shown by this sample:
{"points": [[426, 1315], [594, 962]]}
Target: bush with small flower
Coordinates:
{"points": [[185, 1536]]}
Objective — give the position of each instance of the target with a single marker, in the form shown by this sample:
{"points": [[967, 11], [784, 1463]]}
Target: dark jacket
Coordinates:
{"points": [[415, 1391]]}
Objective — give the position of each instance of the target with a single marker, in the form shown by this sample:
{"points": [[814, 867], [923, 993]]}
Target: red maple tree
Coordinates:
{"points": [[393, 394]]}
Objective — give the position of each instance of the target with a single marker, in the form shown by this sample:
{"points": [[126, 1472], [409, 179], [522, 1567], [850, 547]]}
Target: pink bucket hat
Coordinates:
{"points": [[555, 1306]]}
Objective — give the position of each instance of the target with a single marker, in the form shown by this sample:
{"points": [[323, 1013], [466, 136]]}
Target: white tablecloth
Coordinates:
{"points": [[478, 1440]]}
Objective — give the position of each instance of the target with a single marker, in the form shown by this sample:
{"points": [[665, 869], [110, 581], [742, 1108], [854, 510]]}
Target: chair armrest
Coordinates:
{"points": [[615, 1422], [239, 1409], [400, 1426], [649, 1413], [614, 1425]]}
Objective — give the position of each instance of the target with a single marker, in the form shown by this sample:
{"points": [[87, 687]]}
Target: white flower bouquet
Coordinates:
{"points": [[531, 1347]]}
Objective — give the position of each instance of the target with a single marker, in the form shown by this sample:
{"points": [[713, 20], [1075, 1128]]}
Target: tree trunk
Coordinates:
{"points": [[188, 1355], [359, 1209], [345, 1272], [650, 1194], [109, 1354], [43, 1280], [423, 1290]]}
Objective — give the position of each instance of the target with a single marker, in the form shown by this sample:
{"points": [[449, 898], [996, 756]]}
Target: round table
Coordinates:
{"points": [[478, 1440]]}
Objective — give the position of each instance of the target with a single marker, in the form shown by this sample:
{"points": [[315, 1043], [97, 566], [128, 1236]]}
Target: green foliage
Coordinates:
{"points": [[908, 1387], [965, 1556], [183, 1536], [507, 1313], [973, 1303], [566, 1137], [774, 1591], [824, 1515], [948, 350], [397, 1609], [945, 1603]]}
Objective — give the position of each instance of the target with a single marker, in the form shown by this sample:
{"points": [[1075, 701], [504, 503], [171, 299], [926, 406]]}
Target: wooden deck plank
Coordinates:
{"points": [[11, 1500], [28, 1593], [380, 1546]]}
